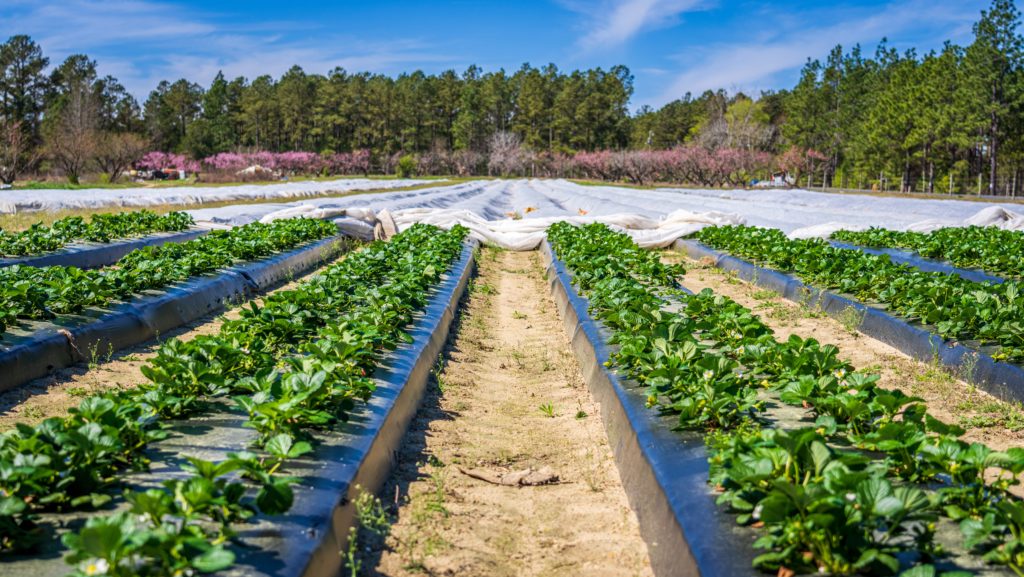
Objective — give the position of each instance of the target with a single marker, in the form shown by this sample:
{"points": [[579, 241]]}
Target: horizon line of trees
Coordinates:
{"points": [[947, 120]]}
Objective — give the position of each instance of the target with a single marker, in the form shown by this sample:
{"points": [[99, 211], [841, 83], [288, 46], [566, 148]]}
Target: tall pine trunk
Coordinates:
{"points": [[994, 143]]}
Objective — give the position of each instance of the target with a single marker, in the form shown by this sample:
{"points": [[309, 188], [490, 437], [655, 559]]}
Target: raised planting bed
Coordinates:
{"points": [[926, 264], [96, 255], [1000, 379], [984, 252], [959, 312], [829, 472], [301, 530], [31, 293], [32, 349], [47, 245], [664, 472]]}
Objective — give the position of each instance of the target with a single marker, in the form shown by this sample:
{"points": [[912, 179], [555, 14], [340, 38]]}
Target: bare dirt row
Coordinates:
{"points": [[509, 398]]}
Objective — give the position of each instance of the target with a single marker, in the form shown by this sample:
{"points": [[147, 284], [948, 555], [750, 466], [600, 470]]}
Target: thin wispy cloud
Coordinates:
{"points": [[142, 42], [614, 22], [753, 65], [79, 25]]}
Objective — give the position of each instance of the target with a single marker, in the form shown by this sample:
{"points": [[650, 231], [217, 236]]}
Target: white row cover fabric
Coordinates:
{"points": [[512, 213], [13, 201], [996, 216], [517, 234]]}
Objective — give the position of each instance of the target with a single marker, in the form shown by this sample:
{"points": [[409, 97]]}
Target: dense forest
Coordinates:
{"points": [[945, 121]]}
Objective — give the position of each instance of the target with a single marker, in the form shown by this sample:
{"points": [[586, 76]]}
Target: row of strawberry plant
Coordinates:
{"points": [[299, 362], [858, 485], [955, 307], [301, 359], [987, 248], [185, 526], [28, 292], [40, 238]]}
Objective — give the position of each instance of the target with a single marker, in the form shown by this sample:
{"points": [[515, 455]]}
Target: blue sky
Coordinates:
{"points": [[672, 46]]}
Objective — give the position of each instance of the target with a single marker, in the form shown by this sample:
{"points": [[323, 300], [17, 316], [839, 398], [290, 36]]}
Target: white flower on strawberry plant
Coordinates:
{"points": [[839, 373], [708, 374], [97, 567], [757, 512], [852, 392]]}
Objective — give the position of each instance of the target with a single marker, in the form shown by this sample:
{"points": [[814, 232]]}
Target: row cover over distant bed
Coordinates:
{"points": [[40, 239], [958, 309], [860, 484], [298, 362], [990, 249], [28, 292]]}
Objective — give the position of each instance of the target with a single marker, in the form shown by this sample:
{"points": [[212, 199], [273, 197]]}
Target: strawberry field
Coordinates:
{"points": [[261, 440]]}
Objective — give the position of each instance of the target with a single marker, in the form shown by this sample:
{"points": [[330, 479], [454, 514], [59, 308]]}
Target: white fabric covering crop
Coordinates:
{"points": [[13, 201], [514, 213]]}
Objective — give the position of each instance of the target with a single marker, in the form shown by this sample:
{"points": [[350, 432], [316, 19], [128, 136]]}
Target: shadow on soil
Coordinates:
{"points": [[411, 460]]}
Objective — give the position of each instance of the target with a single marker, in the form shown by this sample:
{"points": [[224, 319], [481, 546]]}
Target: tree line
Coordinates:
{"points": [[946, 120]]}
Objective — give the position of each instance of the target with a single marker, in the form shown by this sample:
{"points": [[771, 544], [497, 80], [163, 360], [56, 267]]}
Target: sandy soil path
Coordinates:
{"points": [[510, 397]]}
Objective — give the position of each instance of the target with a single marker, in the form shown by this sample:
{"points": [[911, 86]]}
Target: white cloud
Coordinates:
{"points": [[752, 65], [77, 25], [614, 22], [144, 41]]}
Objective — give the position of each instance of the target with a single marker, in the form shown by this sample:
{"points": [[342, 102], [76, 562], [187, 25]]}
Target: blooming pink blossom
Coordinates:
{"points": [[157, 160]]}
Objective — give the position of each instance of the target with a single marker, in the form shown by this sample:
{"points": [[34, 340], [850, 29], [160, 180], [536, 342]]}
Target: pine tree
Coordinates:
{"points": [[22, 83], [991, 63]]}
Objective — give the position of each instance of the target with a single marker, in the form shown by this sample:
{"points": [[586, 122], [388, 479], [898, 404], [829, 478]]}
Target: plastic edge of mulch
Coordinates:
{"points": [[664, 472], [1002, 380], [922, 263]]}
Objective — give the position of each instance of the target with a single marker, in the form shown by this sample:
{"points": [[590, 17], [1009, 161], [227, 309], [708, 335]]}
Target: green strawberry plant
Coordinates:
{"points": [[988, 248], [180, 529], [104, 227], [45, 292], [291, 372]]}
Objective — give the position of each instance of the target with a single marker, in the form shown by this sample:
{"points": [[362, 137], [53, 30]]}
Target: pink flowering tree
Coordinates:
{"points": [[292, 162], [226, 162], [157, 160], [595, 165], [295, 162]]}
